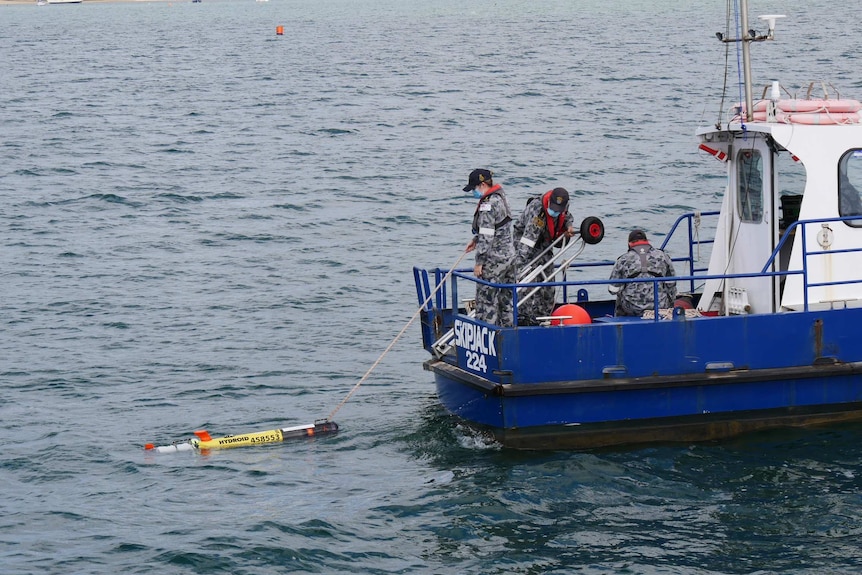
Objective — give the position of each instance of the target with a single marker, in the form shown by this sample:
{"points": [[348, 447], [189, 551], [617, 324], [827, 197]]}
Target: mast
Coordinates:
{"points": [[746, 61], [746, 37]]}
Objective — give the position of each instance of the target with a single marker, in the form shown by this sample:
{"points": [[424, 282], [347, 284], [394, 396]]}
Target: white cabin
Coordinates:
{"points": [[824, 137]]}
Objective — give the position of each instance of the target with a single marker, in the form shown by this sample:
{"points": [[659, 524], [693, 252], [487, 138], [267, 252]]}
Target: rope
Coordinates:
{"points": [[397, 337]]}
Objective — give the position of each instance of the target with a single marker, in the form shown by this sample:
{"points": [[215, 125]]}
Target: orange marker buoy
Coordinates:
{"points": [[279, 30], [571, 315]]}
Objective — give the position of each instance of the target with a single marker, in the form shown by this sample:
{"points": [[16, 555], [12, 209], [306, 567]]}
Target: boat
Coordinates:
{"points": [[768, 336], [63, 1]]}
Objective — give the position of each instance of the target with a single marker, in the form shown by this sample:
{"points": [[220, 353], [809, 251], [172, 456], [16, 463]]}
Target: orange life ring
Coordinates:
{"points": [[819, 118], [819, 105], [760, 107]]}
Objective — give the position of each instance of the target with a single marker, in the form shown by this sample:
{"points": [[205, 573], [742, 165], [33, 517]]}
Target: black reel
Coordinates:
{"points": [[592, 230]]}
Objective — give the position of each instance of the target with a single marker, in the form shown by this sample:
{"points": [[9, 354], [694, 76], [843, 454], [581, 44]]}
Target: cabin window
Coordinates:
{"points": [[790, 180], [849, 184], [792, 174], [749, 182]]}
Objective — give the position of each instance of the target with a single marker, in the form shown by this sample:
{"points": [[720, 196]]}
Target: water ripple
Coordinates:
{"points": [[208, 226]]}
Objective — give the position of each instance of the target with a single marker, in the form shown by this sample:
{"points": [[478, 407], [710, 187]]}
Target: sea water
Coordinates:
{"points": [[206, 225]]}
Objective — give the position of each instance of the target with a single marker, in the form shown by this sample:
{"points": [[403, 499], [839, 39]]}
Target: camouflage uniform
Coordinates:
{"points": [[492, 228], [532, 236], [642, 261]]}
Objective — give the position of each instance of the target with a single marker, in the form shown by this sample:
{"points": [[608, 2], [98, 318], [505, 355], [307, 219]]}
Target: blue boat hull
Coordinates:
{"points": [[677, 380]]}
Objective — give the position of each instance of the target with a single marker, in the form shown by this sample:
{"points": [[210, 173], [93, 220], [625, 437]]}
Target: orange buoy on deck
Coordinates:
{"points": [[279, 30], [571, 314]]}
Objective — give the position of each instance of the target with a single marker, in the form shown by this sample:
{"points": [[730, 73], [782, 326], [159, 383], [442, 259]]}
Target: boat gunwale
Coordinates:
{"points": [[821, 368]]}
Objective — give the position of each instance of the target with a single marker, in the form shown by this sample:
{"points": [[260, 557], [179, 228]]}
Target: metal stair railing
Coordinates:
{"points": [[530, 274]]}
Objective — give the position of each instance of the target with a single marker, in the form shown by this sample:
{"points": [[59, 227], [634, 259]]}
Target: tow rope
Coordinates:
{"points": [[203, 442]]}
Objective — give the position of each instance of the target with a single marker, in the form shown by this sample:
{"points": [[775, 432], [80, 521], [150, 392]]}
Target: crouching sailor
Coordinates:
{"points": [[544, 219], [642, 261], [492, 240]]}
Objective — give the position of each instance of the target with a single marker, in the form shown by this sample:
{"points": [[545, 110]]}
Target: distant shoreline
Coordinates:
{"points": [[33, 2]]}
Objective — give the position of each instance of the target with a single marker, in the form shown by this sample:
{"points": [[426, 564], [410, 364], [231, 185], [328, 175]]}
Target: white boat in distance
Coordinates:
{"points": [[64, 1]]}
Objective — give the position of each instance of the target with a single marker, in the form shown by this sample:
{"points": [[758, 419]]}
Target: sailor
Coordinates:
{"points": [[492, 241], [642, 261], [544, 220]]}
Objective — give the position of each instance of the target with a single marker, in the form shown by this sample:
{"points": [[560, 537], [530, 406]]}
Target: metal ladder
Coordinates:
{"points": [[562, 257], [446, 342]]}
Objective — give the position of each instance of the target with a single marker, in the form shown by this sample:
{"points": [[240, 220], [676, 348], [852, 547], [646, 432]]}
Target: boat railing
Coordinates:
{"points": [[694, 277], [561, 259], [693, 242], [583, 285], [691, 223], [560, 263], [807, 283]]}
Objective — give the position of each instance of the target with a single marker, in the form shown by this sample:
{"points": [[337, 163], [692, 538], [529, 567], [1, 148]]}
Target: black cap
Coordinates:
{"points": [[637, 236], [477, 177], [559, 200]]}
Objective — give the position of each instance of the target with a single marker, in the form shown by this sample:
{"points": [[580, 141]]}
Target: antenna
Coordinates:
{"points": [[770, 19]]}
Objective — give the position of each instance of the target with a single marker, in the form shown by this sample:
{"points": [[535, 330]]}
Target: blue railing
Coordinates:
{"points": [[807, 285], [693, 241], [694, 276]]}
